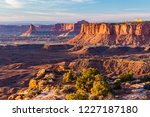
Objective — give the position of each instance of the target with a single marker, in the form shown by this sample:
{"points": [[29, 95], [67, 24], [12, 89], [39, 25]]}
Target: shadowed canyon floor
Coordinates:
{"points": [[20, 63]]}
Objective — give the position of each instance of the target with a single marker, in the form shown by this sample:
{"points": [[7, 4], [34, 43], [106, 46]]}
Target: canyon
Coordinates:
{"points": [[21, 63], [113, 49]]}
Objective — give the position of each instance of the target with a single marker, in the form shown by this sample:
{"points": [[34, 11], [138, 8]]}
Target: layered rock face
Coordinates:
{"points": [[78, 25], [114, 34], [61, 30], [30, 31], [69, 27], [112, 66], [63, 27]]}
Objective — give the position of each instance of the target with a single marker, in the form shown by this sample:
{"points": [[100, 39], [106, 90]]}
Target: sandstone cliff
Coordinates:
{"points": [[30, 31], [60, 30], [68, 27], [113, 34], [62, 27], [54, 30]]}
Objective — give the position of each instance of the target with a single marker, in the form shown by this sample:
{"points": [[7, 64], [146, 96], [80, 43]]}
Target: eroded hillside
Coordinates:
{"points": [[21, 63]]}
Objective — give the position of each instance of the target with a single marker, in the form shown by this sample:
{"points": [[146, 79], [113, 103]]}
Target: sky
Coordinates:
{"points": [[73, 10]]}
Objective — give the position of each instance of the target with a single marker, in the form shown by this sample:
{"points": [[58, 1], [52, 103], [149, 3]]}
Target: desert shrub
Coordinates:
{"points": [[126, 77], [49, 76], [47, 88], [90, 72], [146, 78], [117, 84], [33, 84], [100, 87], [32, 93], [69, 76], [99, 77], [42, 83], [79, 95], [85, 82]]}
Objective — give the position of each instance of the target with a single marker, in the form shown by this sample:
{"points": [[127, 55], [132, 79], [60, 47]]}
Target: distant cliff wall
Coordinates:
{"points": [[63, 27], [59, 30], [113, 34]]}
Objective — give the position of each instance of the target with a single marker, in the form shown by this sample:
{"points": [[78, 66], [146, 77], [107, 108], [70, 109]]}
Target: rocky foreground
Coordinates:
{"points": [[53, 72]]}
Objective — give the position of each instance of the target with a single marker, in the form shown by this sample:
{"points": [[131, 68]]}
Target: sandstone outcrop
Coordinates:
{"points": [[63, 27], [60, 30], [136, 34], [30, 31]]}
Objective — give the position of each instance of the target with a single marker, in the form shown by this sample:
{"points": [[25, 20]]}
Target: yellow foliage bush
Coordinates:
{"points": [[33, 84]]}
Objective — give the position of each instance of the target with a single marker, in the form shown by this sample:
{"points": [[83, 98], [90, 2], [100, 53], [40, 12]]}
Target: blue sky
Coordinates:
{"points": [[74, 10]]}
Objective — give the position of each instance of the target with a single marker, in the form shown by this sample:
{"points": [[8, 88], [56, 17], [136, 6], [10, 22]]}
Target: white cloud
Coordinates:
{"points": [[14, 3], [20, 3], [64, 11]]}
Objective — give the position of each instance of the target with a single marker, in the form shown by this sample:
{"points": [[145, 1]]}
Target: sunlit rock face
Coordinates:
{"points": [[30, 31], [63, 27], [39, 30], [60, 30], [114, 34]]}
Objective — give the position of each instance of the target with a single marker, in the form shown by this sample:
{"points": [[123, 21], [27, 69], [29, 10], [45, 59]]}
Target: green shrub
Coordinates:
{"points": [[79, 95], [100, 88], [126, 77], [71, 96], [90, 72], [69, 76], [85, 82]]}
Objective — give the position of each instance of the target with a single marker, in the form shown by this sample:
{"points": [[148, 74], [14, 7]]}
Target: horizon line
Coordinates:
{"points": [[55, 22]]}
